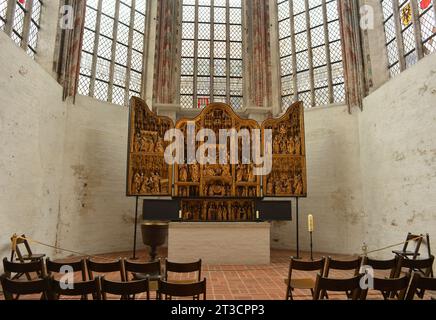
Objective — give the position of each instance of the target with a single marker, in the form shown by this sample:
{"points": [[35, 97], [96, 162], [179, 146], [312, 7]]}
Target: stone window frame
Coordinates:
{"points": [[114, 73], [406, 45], [188, 98], [21, 22], [320, 90]]}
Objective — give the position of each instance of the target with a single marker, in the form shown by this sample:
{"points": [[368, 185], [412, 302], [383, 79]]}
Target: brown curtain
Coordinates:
{"points": [[355, 85], [69, 47]]}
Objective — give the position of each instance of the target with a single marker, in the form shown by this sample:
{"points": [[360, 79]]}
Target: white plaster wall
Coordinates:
{"points": [[398, 157], [32, 130], [333, 171], [371, 175], [96, 215]]}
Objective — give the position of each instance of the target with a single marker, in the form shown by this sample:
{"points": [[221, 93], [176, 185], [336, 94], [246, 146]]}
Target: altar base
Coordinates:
{"points": [[220, 243]]}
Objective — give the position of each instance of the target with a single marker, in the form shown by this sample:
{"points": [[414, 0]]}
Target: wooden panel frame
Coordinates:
{"points": [[147, 172], [207, 177], [289, 154]]}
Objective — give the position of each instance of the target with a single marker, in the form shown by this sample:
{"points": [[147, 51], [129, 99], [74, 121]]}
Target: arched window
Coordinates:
{"points": [[212, 64], [410, 29], [20, 20], [113, 50], [310, 52]]}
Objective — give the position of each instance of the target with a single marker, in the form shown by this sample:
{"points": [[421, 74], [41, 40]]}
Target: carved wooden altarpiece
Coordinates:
{"points": [[215, 192], [288, 177], [147, 174]]}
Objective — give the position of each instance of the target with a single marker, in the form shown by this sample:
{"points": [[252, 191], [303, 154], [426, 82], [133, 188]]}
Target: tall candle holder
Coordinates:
{"points": [[310, 227]]}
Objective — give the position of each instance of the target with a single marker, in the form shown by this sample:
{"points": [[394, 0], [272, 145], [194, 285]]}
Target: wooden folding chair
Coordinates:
{"points": [[182, 290], [103, 268], [426, 242], [422, 266], [14, 270], [20, 288], [78, 289], [382, 265], [126, 290], [396, 287], [410, 254], [54, 269], [350, 265], [30, 256], [351, 285], [183, 268], [420, 284], [143, 271], [302, 283]]}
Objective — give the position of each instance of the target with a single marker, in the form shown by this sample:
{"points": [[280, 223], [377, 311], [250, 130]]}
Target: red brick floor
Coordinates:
{"points": [[244, 282]]}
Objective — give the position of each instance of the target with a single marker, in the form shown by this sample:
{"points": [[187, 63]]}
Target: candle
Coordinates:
{"points": [[180, 214], [310, 222], [257, 215]]}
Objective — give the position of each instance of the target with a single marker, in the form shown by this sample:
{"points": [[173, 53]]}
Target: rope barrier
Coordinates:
{"points": [[394, 245], [15, 238]]}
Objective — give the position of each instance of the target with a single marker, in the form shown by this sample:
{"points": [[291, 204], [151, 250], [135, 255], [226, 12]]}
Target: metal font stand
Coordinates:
{"points": [[135, 229], [311, 246], [297, 227]]}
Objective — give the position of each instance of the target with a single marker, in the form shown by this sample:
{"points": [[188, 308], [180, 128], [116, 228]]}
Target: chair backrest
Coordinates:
{"points": [[183, 268], [17, 241], [300, 265], [20, 288], [170, 290], [23, 267], [413, 238], [420, 283], [426, 242], [351, 265], [337, 285], [151, 268], [126, 290], [56, 267], [390, 287], [81, 288], [425, 266], [105, 267], [382, 264]]}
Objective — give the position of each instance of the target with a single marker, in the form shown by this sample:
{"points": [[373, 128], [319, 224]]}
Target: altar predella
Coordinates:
{"points": [[215, 192]]}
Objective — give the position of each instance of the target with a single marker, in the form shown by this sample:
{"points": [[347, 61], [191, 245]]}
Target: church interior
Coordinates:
{"points": [[217, 149]]}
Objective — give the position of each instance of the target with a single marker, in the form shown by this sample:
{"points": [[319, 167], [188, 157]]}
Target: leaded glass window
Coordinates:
{"points": [[113, 50], [21, 21], [310, 52], [211, 63], [410, 29]]}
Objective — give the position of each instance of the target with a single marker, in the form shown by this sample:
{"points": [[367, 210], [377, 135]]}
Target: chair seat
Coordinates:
{"points": [[144, 276], [35, 256], [405, 253], [182, 281], [305, 283]]}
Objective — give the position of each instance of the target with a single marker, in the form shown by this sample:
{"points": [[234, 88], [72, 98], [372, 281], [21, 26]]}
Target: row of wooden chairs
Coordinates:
{"points": [[128, 271], [404, 288], [392, 286], [99, 288]]}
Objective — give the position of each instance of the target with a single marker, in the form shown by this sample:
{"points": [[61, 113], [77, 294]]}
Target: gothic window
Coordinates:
{"points": [[21, 21], [113, 50], [211, 64], [310, 52], [410, 29]]}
